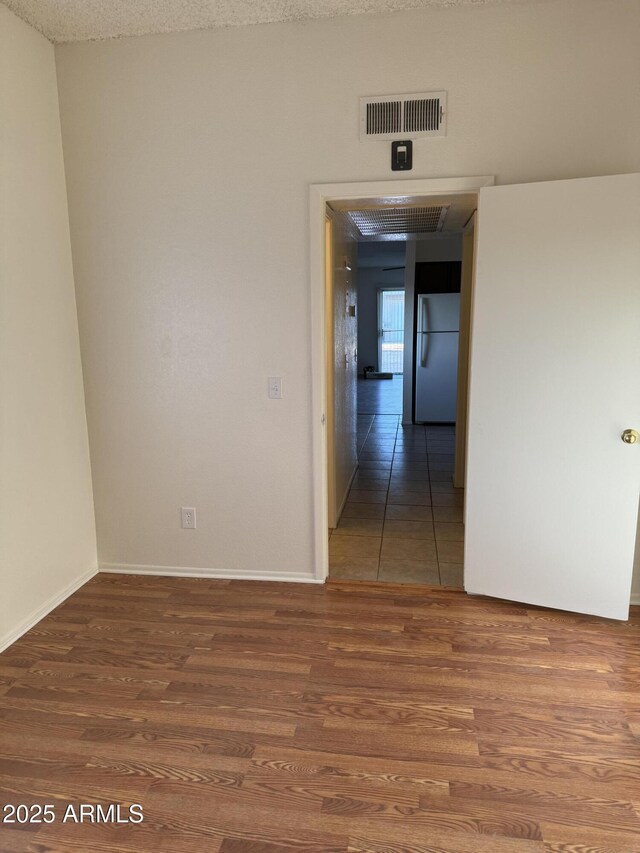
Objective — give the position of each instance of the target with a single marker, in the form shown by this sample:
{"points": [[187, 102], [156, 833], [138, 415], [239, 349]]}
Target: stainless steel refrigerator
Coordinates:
{"points": [[436, 372]]}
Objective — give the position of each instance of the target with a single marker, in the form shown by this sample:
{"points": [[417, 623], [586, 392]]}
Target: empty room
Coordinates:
{"points": [[320, 426]]}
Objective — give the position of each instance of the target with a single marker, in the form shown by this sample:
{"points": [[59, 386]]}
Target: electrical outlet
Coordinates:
{"points": [[275, 388], [188, 515]]}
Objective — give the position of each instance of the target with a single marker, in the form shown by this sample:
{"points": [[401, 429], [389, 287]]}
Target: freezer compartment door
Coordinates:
{"points": [[436, 377], [438, 312]]}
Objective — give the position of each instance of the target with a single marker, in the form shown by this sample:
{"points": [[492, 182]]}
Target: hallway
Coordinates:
{"points": [[402, 521], [380, 396]]}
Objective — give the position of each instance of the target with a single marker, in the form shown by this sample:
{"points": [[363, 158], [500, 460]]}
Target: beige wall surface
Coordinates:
{"points": [[47, 532], [189, 158]]}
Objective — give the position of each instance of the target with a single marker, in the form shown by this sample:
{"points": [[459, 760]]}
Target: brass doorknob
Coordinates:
{"points": [[631, 436]]}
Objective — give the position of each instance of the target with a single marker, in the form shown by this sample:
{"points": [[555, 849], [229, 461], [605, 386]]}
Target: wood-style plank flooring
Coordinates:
{"points": [[351, 718]]}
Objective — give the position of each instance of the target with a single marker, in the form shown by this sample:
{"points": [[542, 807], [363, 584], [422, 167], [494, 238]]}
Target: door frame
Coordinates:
{"points": [[379, 291], [467, 279], [319, 195]]}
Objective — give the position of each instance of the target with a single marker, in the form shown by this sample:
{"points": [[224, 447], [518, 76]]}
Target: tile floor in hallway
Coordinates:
{"points": [[402, 521], [380, 396]]}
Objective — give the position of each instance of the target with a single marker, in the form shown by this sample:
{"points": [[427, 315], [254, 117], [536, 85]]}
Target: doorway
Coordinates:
{"points": [[540, 258], [391, 330], [380, 384], [402, 467], [380, 270], [401, 521]]}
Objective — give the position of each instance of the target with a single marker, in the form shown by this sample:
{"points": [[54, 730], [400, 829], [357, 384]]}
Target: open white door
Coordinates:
{"points": [[552, 489]]}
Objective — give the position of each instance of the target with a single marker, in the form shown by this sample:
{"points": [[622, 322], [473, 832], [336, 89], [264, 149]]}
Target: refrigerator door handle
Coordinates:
{"points": [[424, 354], [424, 328], [425, 314]]}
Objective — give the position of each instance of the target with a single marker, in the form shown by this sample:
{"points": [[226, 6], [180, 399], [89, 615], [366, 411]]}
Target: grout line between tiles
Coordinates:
{"points": [[417, 435]]}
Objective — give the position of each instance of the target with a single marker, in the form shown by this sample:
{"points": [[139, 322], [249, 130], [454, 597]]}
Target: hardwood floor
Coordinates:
{"points": [[286, 718]]}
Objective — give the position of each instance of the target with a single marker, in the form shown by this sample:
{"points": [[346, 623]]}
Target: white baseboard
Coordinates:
{"points": [[15, 633], [635, 598], [219, 574]]}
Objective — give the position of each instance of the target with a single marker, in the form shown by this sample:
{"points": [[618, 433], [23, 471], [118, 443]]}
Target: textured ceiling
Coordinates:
{"points": [[81, 20]]}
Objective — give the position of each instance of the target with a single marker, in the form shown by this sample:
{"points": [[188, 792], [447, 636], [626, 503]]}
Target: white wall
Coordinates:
{"points": [[445, 247], [47, 534], [179, 148]]}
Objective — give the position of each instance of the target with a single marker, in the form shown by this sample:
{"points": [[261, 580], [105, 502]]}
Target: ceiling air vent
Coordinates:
{"points": [[398, 220], [391, 116]]}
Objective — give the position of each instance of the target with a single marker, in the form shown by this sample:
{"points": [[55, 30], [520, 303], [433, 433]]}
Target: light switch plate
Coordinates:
{"points": [[275, 388]]}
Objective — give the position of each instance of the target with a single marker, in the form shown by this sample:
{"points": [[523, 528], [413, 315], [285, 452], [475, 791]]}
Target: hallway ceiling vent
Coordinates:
{"points": [[419, 115], [378, 222]]}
